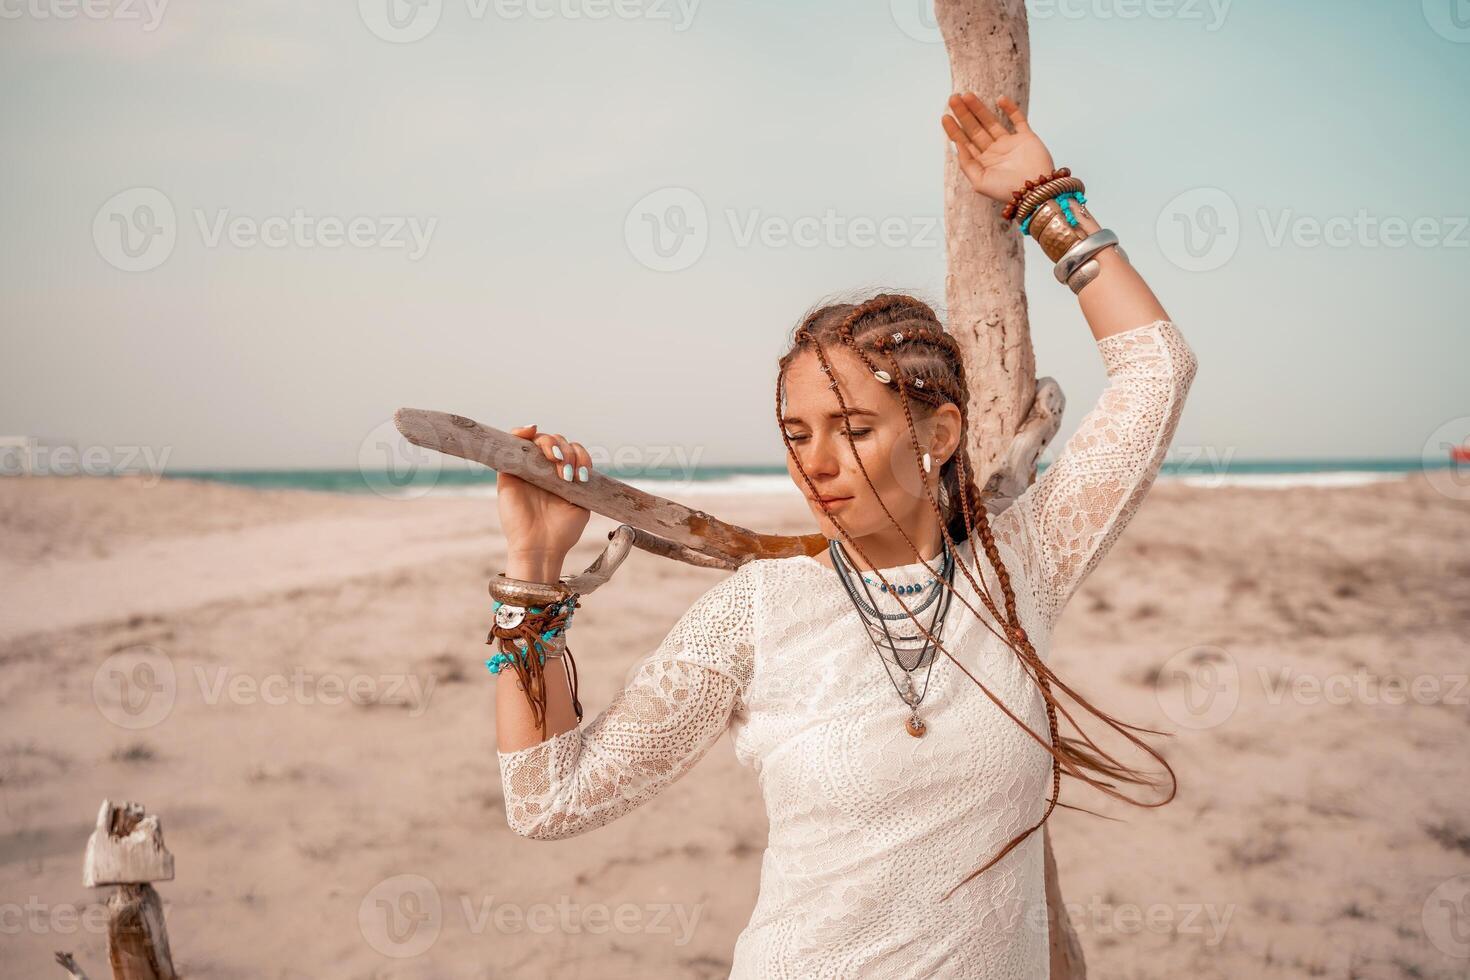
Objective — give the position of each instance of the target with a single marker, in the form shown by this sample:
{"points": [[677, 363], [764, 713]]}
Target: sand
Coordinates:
{"points": [[319, 739]]}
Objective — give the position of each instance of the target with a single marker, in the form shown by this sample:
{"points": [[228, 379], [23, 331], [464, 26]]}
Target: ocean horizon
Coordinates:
{"points": [[471, 480]]}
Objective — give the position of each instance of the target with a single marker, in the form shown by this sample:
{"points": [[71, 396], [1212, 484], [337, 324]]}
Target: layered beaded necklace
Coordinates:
{"points": [[909, 651]]}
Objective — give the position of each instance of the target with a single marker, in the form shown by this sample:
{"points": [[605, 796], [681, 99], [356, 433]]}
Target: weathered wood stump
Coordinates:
{"points": [[127, 850]]}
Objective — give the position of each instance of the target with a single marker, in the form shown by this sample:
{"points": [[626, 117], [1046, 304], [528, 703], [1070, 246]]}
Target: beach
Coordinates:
{"points": [[294, 683]]}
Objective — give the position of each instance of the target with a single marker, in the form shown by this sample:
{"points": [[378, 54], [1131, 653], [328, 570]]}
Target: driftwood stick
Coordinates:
{"points": [[1067, 961], [687, 534], [70, 966], [126, 849], [137, 942], [1017, 467], [664, 548]]}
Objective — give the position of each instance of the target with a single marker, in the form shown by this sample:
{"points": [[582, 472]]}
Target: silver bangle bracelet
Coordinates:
{"points": [[1079, 279], [1078, 255]]}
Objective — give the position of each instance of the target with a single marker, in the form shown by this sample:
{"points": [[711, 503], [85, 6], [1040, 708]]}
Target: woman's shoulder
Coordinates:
{"points": [[720, 622]]}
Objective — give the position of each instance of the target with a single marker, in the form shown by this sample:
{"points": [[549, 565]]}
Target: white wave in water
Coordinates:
{"points": [[1284, 481], [780, 485]]}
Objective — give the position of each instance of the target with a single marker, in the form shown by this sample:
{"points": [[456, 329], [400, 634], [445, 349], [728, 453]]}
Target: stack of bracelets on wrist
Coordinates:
{"points": [[1047, 210], [531, 620]]}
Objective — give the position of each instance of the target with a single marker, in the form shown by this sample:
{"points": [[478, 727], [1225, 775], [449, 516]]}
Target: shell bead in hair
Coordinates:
{"points": [[883, 376]]}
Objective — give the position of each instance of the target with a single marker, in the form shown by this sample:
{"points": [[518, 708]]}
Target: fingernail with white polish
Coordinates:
{"points": [[582, 473], [556, 451], [566, 471]]}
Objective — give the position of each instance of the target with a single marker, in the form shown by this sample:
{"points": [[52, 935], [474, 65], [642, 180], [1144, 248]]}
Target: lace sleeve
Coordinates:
{"points": [[1070, 517], [673, 709]]}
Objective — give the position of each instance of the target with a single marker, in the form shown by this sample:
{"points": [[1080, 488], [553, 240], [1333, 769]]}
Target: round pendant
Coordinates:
{"points": [[916, 727], [509, 617]]}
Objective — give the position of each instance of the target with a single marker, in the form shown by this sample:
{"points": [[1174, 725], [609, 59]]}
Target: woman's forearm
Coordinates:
{"points": [[1118, 299], [514, 725]]}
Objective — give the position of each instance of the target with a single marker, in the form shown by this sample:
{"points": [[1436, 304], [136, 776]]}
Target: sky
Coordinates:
{"points": [[240, 235]]}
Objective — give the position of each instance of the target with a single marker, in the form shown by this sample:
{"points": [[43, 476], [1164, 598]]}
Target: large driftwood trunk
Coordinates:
{"points": [[989, 48], [990, 55]]}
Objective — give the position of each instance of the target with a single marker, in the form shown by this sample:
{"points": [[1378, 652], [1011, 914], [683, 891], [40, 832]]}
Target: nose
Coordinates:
{"points": [[820, 456]]}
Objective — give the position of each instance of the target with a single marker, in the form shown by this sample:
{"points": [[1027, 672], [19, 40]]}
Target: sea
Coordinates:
{"points": [[452, 479]]}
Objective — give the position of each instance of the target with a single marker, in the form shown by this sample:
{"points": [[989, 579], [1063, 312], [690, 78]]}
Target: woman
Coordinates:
{"points": [[892, 693]]}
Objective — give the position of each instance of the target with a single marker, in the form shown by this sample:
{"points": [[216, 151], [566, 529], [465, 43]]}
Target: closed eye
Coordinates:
{"points": [[856, 433]]}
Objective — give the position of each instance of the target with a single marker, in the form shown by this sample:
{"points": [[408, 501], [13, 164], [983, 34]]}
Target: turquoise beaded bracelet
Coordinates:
{"points": [[502, 660]]}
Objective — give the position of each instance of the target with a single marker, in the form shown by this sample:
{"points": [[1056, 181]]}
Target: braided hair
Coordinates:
{"points": [[901, 339]]}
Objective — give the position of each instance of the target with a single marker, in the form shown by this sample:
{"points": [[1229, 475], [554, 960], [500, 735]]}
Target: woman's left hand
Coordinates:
{"points": [[996, 161]]}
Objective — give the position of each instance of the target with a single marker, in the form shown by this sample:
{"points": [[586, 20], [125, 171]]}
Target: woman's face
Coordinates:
{"points": [[812, 419]]}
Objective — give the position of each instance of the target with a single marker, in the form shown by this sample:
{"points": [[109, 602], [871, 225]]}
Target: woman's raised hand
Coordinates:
{"points": [[537, 523], [996, 161]]}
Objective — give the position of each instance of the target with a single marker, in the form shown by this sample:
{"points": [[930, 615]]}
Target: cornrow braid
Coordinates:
{"points": [[900, 339]]}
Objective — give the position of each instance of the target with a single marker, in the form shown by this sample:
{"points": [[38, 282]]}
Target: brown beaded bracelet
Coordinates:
{"points": [[1009, 212]]}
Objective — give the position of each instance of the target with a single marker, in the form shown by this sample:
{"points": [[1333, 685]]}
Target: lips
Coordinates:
{"points": [[827, 501]]}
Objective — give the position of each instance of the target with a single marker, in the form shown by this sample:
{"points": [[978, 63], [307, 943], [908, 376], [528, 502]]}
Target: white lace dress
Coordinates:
{"points": [[870, 826]]}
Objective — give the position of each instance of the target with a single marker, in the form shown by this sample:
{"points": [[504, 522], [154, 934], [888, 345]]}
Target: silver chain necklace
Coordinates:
{"points": [[908, 657]]}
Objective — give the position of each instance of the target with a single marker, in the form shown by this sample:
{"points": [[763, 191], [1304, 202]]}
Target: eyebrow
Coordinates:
{"points": [[852, 410]]}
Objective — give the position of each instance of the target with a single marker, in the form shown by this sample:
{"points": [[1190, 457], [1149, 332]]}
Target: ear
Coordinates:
{"points": [[947, 427]]}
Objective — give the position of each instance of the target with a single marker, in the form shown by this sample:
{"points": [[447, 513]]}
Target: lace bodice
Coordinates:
{"points": [[869, 826]]}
